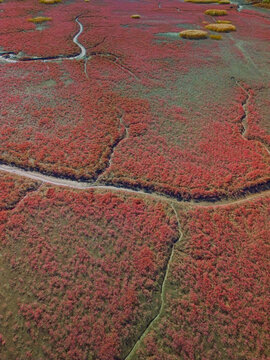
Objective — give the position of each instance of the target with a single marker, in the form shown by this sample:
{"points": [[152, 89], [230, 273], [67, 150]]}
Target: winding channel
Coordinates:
{"points": [[162, 294], [124, 136], [244, 122], [11, 57]]}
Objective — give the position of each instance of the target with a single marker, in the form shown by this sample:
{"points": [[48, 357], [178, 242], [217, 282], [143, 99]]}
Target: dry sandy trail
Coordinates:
{"points": [[83, 185]]}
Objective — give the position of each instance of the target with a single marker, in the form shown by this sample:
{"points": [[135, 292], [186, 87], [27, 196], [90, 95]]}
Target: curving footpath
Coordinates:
{"points": [[84, 185]]}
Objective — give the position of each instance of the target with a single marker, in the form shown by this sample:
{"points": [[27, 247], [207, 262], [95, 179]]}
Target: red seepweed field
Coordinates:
{"points": [[87, 280], [134, 180], [217, 302]]}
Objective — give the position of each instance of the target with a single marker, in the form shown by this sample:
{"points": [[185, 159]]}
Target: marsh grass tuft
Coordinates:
{"points": [[221, 27], [224, 22], [39, 19], [50, 1], [215, 12], [193, 34], [263, 4], [215, 37]]}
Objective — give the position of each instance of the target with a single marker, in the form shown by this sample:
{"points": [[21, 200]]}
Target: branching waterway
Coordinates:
{"points": [[124, 136], [242, 196], [244, 119], [162, 293]]}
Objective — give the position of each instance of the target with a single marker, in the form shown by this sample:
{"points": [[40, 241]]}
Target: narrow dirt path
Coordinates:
{"points": [[162, 294], [83, 185]]}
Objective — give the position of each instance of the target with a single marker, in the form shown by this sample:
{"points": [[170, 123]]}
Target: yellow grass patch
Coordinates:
{"points": [[216, 12], [224, 22], [193, 34], [263, 5], [49, 1], [39, 19], [221, 27], [135, 16], [224, 2], [215, 37]]}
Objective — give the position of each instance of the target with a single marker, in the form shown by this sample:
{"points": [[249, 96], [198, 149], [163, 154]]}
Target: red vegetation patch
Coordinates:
{"points": [[50, 39], [14, 188], [88, 270], [183, 124], [54, 123], [193, 153], [217, 299]]}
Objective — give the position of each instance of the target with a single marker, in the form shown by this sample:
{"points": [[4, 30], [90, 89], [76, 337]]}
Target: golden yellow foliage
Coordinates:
{"points": [[221, 27], [215, 37], [39, 19], [224, 2], [136, 16], [215, 12], [193, 34], [224, 22], [263, 5], [50, 1]]}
